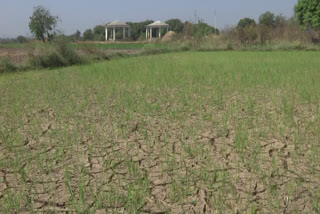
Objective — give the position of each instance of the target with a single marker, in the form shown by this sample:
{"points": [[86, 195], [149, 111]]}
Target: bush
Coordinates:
{"points": [[22, 39], [56, 54], [88, 35], [7, 66], [247, 35]]}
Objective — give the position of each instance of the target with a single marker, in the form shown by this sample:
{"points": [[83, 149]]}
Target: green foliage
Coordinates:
{"points": [[99, 32], [76, 36], [308, 13], [57, 54], [42, 23], [7, 66], [22, 39], [267, 19], [88, 35], [202, 29], [280, 20], [246, 22], [247, 34], [176, 25], [138, 29], [99, 37]]}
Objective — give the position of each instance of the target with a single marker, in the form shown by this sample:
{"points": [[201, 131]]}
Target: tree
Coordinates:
{"points": [[246, 22], [75, 37], [246, 30], [99, 30], [176, 25], [99, 33], [202, 29], [138, 29], [88, 35], [22, 39], [78, 34], [267, 19], [280, 20], [308, 13], [42, 24]]}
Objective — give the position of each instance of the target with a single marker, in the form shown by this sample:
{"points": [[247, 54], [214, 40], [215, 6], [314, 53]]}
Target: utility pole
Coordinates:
{"points": [[215, 22], [195, 16]]}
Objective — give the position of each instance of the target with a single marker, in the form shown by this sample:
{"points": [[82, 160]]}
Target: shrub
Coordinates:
{"points": [[7, 66], [56, 54], [247, 35], [22, 39], [88, 35]]}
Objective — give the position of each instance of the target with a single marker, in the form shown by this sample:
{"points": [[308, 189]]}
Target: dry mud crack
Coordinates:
{"points": [[167, 169]]}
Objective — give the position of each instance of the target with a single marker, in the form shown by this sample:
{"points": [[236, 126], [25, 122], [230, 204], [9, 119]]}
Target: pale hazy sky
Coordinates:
{"points": [[84, 14]]}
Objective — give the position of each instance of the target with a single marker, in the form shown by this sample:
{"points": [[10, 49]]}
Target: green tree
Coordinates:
{"points": [[138, 29], [267, 19], [88, 35], [246, 22], [99, 33], [42, 24], [202, 29], [246, 30], [99, 30], [176, 25], [280, 20], [308, 13], [22, 39]]}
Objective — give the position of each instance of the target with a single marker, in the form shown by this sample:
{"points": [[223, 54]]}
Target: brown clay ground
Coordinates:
{"points": [[176, 133]]}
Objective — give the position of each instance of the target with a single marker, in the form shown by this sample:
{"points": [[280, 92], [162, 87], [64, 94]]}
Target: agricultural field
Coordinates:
{"points": [[18, 53], [189, 132]]}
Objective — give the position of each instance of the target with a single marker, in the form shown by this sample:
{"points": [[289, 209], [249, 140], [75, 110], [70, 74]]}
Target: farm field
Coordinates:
{"points": [[17, 53], [191, 132]]}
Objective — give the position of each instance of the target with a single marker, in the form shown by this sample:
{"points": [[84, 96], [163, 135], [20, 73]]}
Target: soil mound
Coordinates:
{"points": [[168, 37]]}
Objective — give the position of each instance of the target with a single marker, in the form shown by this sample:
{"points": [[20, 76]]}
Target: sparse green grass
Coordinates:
{"points": [[223, 132]]}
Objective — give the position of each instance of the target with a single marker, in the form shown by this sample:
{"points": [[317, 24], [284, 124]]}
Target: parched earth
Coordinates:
{"points": [[156, 164], [171, 133]]}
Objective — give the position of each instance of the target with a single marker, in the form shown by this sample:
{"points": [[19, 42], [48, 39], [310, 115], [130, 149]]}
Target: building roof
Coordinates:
{"points": [[158, 24], [116, 23]]}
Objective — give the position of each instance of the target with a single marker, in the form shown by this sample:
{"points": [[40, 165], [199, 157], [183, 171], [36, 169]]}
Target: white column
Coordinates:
{"points": [[147, 33], [150, 33], [124, 32], [167, 29], [106, 34], [114, 34], [129, 33], [159, 32]]}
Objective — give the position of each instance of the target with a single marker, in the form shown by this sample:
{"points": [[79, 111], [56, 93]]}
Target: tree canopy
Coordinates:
{"points": [[138, 29], [202, 29], [42, 24], [308, 13], [176, 25], [246, 22], [267, 19], [88, 35]]}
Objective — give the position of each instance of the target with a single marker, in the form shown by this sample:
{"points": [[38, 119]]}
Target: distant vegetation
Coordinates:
{"points": [[270, 32], [42, 24]]}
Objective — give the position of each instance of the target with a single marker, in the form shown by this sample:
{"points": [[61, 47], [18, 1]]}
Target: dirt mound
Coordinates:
{"points": [[168, 37]]}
